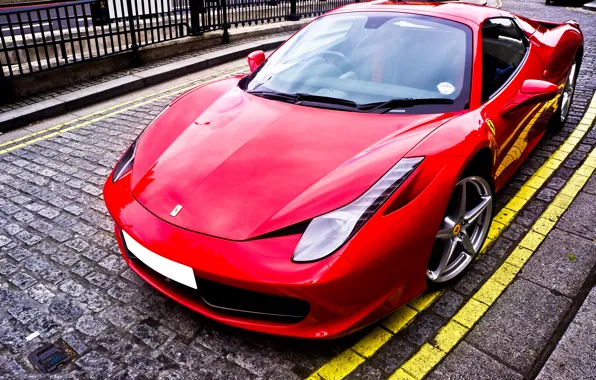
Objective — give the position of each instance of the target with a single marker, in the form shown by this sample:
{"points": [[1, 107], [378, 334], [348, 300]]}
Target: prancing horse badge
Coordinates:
{"points": [[176, 210]]}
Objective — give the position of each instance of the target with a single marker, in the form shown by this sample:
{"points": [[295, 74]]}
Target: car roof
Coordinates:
{"points": [[472, 12]]}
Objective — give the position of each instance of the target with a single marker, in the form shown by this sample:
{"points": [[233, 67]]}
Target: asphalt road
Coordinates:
{"points": [[62, 277]]}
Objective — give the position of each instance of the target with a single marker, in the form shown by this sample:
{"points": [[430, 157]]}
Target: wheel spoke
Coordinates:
{"points": [[446, 231], [463, 201], [447, 253], [473, 214], [467, 243]]}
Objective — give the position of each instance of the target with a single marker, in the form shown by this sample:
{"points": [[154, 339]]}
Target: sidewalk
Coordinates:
{"points": [[65, 99], [575, 354]]}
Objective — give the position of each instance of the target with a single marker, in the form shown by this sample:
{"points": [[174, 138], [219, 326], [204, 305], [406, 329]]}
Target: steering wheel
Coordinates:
{"points": [[336, 58]]}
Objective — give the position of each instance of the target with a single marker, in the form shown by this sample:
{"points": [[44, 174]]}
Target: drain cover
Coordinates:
{"points": [[48, 358]]}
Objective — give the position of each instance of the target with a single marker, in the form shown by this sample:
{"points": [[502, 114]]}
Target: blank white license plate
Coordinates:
{"points": [[171, 269]]}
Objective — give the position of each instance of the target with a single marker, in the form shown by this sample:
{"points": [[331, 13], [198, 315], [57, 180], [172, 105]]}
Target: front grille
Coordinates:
{"points": [[233, 301]]}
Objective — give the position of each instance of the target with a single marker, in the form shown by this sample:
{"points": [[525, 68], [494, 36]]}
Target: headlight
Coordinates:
{"points": [[326, 233], [125, 163], [128, 158]]}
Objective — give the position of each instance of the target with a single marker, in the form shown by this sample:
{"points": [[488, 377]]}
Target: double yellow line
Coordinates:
{"points": [[80, 122], [430, 355]]}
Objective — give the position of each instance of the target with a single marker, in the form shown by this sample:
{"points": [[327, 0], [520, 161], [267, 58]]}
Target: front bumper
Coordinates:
{"points": [[381, 268]]}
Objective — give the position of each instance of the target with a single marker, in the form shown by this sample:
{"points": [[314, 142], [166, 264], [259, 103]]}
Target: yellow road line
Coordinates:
{"points": [[347, 361], [167, 90], [430, 354], [58, 129]]}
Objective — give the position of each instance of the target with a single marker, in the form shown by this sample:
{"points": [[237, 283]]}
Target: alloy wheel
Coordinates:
{"points": [[463, 229], [568, 93]]}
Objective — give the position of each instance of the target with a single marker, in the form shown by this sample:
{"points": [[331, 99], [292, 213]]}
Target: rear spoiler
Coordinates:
{"points": [[552, 25]]}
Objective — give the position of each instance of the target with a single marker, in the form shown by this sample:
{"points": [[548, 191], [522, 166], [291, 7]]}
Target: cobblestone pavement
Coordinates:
{"points": [[61, 273]]}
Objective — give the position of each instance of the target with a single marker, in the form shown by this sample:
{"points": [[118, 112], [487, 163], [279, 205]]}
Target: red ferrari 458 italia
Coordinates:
{"points": [[349, 170]]}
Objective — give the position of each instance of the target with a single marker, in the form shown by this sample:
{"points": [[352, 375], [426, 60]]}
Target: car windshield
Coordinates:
{"points": [[396, 62]]}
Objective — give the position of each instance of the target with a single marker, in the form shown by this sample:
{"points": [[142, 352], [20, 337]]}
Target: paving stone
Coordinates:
{"points": [[575, 354], [41, 294], [466, 362], [364, 372], [148, 334], [7, 268], [253, 359], [19, 254], [12, 337], [392, 355], [24, 313], [90, 325], [224, 370], [116, 344], [448, 304], [561, 263], [95, 361], [580, 216], [183, 321], [143, 364], [94, 301], [519, 324], [94, 254], [192, 358], [36, 264], [113, 263], [67, 309], [469, 283], [45, 325], [76, 341], [121, 316], [22, 280], [423, 327], [72, 288]]}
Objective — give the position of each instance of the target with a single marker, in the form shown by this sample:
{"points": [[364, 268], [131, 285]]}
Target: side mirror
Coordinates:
{"points": [[532, 92], [255, 59]]}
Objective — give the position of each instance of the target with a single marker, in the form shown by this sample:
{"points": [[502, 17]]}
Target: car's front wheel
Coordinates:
{"points": [[562, 113], [463, 230]]}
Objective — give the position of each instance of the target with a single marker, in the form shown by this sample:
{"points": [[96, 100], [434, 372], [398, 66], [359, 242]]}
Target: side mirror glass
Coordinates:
{"points": [[255, 60], [532, 92]]}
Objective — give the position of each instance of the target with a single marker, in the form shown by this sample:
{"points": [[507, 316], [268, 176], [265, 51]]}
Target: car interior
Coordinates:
{"points": [[368, 59]]}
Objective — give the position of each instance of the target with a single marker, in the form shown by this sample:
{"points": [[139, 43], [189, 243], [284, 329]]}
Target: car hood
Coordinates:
{"points": [[242, 166]]}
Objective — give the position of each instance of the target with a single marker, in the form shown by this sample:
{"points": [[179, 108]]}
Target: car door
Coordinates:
{"points": [[506, 64]]}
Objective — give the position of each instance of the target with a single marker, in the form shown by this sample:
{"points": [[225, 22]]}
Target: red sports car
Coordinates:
{"points": [[350, 169]]}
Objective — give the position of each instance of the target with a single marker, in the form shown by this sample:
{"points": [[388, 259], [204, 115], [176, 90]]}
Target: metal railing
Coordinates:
{"points": [[44, 37]]}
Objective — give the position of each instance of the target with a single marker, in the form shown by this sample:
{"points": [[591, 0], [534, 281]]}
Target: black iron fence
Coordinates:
{"points": [[39, 38]]}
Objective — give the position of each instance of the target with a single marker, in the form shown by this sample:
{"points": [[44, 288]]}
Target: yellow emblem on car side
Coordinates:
{"points": [[491, 126]]}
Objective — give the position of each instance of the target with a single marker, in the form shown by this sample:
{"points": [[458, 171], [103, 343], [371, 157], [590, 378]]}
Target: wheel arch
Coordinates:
{"points": [[481, 163]]}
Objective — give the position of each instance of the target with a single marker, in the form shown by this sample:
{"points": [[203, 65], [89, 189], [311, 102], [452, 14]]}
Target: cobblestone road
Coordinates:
{"points": [[61, 273]]}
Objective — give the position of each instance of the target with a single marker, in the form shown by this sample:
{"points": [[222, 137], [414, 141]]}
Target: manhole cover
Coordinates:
{"points": [[49, 358]]}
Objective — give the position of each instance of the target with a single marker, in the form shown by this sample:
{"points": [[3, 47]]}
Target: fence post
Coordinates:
{"points": [[133, 37], [196, 8], [226, 34], [293, 16]]}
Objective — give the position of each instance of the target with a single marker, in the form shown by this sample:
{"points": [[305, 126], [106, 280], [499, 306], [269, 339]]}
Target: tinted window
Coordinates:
{"points": [[374, 57], [503, 50]]}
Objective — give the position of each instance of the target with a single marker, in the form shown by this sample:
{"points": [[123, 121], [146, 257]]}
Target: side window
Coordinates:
{"points": [[503, 49]]}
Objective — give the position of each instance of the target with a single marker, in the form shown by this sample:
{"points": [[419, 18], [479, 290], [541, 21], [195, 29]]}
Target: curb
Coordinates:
{"points": [[77, 99]]}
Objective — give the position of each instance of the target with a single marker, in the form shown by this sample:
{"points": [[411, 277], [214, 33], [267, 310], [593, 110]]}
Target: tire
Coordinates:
{"points": [[462, 232], [560, 116]]}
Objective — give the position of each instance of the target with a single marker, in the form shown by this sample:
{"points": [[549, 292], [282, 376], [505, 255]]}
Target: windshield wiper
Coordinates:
{"points": [[388, 105], [290, 98], [302, 97]]}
